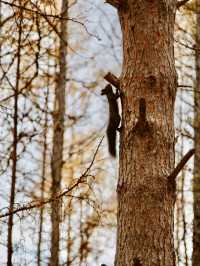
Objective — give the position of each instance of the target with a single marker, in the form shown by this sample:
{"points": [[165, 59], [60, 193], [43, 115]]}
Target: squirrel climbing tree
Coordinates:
{"points": [[114, 118]]}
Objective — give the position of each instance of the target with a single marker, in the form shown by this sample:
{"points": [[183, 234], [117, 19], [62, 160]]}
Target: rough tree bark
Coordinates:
{"points": [[148, 82], [58, 122], [196, 178]]}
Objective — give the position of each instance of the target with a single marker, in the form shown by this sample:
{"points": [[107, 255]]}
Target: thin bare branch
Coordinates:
{"points": [[6, 20], [39, 204], [181, 3], [181, 164], [111, 78], [45, 15], [115, 3]]}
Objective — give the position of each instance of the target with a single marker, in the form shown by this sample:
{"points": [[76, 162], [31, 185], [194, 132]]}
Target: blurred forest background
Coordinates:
{"points": [[53, 59]]}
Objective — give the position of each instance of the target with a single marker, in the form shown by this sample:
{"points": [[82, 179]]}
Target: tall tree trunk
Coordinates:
{"points": [[148, 81], [14, 146], [58, 134], [44, 159], [181, 223], [70, 207], [81, 233], [196, 178], [69, 235]]}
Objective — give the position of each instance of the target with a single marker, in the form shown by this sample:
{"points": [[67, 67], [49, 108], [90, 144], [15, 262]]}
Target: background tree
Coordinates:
{"points": [[39, 54], [58, 135], [196, 179]]}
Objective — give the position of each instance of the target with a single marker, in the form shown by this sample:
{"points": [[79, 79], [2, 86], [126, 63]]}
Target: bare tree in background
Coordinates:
{"points": [[196, 178], [37, 51], [181, 222], [43, 177], [15, 141], [58, 135]]}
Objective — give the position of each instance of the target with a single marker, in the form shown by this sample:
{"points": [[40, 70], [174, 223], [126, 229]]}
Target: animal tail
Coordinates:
{"points": [[111, 135]]}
